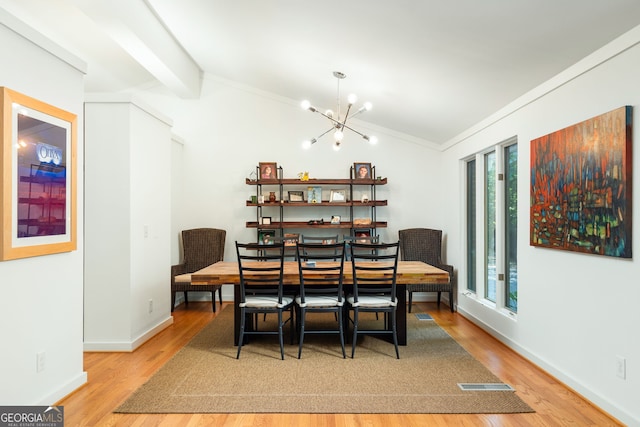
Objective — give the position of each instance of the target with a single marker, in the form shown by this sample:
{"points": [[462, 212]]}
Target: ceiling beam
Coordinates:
{"points": [[135, 27]]}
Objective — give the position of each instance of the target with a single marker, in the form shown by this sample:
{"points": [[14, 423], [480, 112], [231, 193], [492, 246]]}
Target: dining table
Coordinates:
{"points": [[408, 272]]}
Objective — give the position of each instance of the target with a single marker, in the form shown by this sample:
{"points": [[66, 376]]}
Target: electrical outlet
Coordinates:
{"points": [[150, 306], [621, 367], [40, 362]]}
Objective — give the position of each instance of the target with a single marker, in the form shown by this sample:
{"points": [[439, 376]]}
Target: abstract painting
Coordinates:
{"points": [[581, 186]]}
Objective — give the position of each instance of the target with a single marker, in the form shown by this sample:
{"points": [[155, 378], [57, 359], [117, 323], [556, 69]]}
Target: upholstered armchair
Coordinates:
{"points": [[201, 247], [425, 244]]}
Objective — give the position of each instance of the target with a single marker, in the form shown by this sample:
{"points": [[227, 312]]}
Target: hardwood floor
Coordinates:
{"points": [[114, 376]]}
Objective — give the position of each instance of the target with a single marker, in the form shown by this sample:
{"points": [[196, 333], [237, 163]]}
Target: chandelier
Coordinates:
{"points": [[338, 122]]}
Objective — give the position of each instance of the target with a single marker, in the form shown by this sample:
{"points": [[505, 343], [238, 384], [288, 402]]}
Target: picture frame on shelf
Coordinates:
{"points": [[261, 199], [268, 170], [266, 237], [338, 196], [266, 220], [314, 194], [335, 219], [38, 160], [290, 239], [362, 170], [296, 196]]}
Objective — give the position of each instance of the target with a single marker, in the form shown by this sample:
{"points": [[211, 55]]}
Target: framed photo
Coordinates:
{"points": [[362, 170], [266, 220], [363, 236], [266, 237], [338, 196], [335, 219], [38, 177], [268, 170], [314, 194], [296, 196], [290, 239]]}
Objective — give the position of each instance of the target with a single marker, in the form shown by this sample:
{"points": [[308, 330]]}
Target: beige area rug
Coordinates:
{"points": [[205, 377]]}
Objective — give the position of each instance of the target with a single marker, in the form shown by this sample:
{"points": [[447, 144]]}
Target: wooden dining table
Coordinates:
{"points": [[409, 272]]}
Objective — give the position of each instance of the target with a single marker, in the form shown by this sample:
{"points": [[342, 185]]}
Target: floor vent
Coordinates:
{"points": [[423, 316], [485, 387]]}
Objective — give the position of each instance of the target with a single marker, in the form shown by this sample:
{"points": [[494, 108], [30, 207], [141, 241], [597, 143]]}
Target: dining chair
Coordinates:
{"points": [[375, 268], [262, 290], [320, 294], [201, 247], [425, 244]]}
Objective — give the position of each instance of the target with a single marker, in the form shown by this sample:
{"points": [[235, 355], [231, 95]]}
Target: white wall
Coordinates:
{"points": [[127, 239], [42, 296], [576, 312]]}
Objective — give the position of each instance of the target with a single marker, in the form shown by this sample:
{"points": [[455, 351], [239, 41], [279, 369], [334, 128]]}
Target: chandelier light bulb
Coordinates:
{"points": [[368, 106], [329, 113], [338, 135], [373, 140], [336, 146], [352, 98], [305, 105], [306, 144]]}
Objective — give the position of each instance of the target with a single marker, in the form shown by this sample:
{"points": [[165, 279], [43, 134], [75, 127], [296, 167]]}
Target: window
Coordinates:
{"points": [[471, 225], [491, 225]]}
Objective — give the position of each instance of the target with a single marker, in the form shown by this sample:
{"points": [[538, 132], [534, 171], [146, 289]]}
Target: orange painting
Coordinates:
{"points": [[581, 186]]}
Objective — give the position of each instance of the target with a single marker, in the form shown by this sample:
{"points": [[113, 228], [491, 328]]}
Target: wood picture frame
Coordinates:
{"points": [[362, 170], [268, 170], [296, 196], [266, 220], [39, 188]]}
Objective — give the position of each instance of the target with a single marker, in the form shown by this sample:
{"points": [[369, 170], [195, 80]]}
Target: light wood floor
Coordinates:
{"points": [[114, 376]]}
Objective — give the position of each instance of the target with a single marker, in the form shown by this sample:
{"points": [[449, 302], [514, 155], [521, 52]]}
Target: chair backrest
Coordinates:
{"points": [[324, 240], [202, 247], [331, 258], [421, 244], [375, 267], [261, 269]]}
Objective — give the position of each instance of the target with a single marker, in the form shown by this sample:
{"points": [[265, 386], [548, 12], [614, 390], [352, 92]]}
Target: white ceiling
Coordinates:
{"points": [[431, 68]]}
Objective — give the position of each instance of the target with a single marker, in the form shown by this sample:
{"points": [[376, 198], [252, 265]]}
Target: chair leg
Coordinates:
{"points": [[439, 294], [341, 328], [220, 295], [410, 300], [395, 332], [213, 300], [241, 338], [186, 298], [301, 316], [281, 334], [173, 300], [451, 300]]}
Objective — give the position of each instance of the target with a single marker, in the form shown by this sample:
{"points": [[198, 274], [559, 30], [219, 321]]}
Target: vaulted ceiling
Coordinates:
{"points": [[431, 68]]}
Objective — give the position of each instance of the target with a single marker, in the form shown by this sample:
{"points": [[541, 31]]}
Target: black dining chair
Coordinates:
{"points": [[320, 294], [262, 290], [375, 268]]}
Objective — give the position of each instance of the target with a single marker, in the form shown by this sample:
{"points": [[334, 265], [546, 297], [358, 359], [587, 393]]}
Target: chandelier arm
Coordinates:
{"points": [[342, 125], [321, 135]]}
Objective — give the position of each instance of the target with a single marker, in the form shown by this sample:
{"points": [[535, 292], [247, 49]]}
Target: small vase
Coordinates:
{"points": [[272, 197]]}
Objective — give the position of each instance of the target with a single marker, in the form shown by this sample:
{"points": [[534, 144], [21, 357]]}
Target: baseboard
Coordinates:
{"points": [[64, 391], [127, 346]]}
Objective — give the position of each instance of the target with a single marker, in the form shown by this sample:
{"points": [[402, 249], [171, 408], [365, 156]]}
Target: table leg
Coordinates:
{"points": [[401, 314]]}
